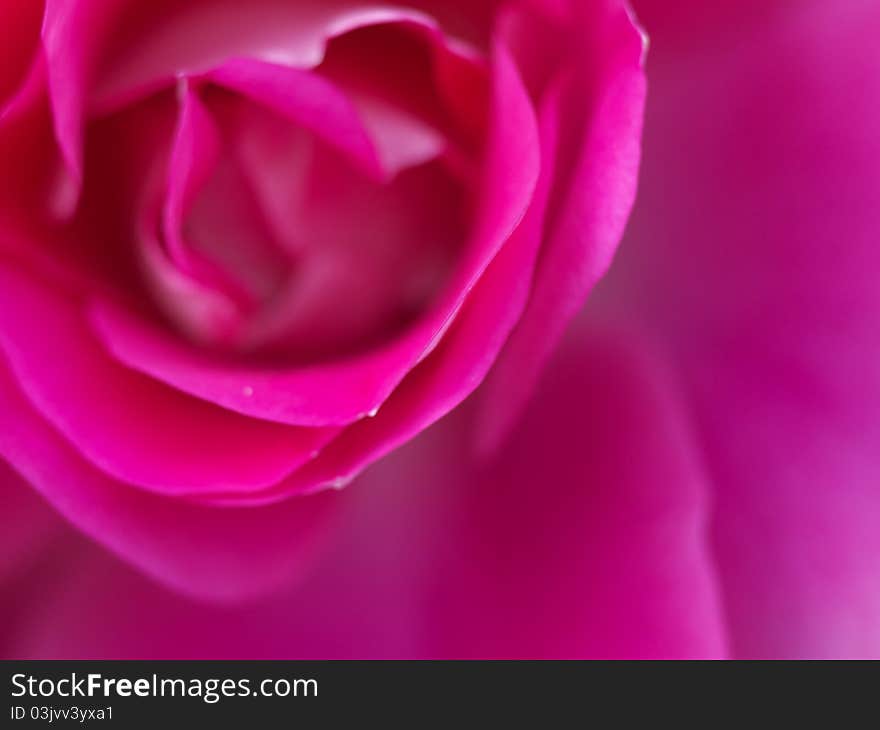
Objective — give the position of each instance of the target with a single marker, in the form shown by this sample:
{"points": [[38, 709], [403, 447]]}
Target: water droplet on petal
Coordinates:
{"points": [[247, 391]]}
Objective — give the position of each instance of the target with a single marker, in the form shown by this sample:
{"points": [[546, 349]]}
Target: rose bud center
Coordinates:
{"points": [[292, 196]]}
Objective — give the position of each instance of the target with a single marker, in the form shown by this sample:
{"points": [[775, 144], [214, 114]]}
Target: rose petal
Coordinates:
{"points": [[133, 428], [73, 33], [19, 39], [223, 554], [306, 99], [590, 211], [129, 50], [754, 255], [586, 536], [164, 43], [566, 547], [28, 526]]}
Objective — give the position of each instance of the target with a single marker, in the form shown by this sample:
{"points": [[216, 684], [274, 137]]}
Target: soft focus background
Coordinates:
{"points": [[699, 472]]}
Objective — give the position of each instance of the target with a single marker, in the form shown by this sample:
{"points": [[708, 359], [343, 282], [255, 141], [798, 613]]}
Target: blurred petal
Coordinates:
{"points": [[125, 424], [81, 40], [689, 23], [754, 255], [585, 538], [225, 554], [306, 99], [19, 41], [103, 53], [73, 35], [593, 193], [27, 525], [167, 38]]}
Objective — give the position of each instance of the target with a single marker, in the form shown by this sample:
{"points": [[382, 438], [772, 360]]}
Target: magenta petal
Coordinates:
{"points": [[73, 34], [401, 140], [224, 554], [182, 283], [19, 39], [591, 212], [586, 536], [566, 547], [194, 156], [754, 255], [135, 429], [307, 100], [28, 525], [170, 39], [698, 23], [88, 72]]}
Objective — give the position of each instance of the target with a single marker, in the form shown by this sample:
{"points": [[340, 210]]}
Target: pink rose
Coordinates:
{"points": [[697, 474], [248, 249]]}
